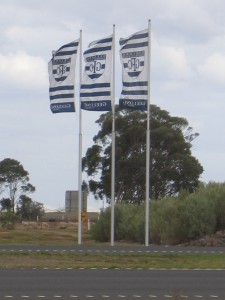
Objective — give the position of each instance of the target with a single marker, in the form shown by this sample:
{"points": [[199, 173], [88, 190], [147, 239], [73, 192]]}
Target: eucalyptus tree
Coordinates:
{"points": [[28, 209], [172, 165], [14, 181]]}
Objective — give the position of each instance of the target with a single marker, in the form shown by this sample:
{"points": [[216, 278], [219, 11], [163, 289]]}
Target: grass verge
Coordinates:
{"points": [[68, 237], [12, 260], [53, 236]]}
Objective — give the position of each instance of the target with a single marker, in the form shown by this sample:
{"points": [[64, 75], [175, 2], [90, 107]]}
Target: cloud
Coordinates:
{"points": [[37, 40], [170, 63], [213, 69], [187, 20], [19, 70]]}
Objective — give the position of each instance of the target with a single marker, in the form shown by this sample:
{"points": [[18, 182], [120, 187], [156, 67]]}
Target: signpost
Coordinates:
{"points": [[84, 216]]}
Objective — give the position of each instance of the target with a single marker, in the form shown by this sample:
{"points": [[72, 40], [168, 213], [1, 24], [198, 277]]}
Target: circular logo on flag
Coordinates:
{"points": [[133, 62], [95, 65], [61, 69]]}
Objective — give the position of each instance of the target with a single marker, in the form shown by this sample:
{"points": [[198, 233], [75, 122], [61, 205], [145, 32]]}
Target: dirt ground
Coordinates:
{"points": [[214, 240]]}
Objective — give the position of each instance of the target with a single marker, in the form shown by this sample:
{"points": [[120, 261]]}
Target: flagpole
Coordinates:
{"points": [[80, 155], [113, 148], [147, 200]]}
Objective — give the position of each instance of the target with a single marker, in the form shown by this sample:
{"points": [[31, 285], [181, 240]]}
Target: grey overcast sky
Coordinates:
{"points": [[187, 80]]}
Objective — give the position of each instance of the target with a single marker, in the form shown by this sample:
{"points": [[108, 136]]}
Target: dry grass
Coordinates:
{"points": [[47, 233]]}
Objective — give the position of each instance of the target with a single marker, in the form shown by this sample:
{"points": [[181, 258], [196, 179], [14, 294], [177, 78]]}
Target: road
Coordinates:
{"points": [[115, 283], [111, 284]]}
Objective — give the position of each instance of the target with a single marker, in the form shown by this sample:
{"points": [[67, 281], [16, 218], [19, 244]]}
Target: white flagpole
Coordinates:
{"points": [[80, 155], [113, 146], [147, 200]]}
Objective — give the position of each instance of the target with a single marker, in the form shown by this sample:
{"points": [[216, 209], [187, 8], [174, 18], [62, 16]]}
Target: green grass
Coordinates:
{"points": [[76, 260]]}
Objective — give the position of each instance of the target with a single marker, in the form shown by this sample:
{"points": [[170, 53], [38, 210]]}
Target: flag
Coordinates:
{"points": [[95, 90], [61, 69], [134, 60]]}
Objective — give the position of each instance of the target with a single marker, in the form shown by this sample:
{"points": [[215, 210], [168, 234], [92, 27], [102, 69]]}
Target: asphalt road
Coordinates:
{"points": [[111, 284]]}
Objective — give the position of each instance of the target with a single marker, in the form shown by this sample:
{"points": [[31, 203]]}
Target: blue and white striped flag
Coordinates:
{"points": [[61, 69], [134, 59], [95, 91]]}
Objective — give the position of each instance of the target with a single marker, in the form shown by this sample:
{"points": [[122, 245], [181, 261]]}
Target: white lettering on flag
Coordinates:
{"points": [[61, 69], [134, 59], [95, 90]]}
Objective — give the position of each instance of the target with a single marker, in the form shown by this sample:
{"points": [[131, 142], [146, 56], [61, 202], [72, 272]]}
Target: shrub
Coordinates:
{"points": [[100, 230], [215, 194], [8, 220], [165, 222], [198, 217], [177, 220], [173, 220], [129, 224]]}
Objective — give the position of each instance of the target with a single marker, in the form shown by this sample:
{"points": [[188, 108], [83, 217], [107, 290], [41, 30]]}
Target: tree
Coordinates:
{"points": [[28, 209], [172, 167], [14, 180], [5, 204]]}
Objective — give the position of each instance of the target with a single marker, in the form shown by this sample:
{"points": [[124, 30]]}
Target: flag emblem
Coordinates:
{"points": [[95, 66], [61, 69], [133, 62]]}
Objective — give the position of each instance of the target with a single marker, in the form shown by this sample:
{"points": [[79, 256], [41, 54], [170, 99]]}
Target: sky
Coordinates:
{"points": [[187, 80]]}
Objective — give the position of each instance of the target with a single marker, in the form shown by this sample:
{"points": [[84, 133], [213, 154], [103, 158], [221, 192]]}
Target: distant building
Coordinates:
{"points": [[71, 201]]}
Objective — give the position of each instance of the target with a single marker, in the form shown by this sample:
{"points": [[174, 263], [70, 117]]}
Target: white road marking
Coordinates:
{"points": [[108, 296]]}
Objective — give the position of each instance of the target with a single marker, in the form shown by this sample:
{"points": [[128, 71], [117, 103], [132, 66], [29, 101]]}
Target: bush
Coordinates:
{"points": [[198, 217], [215, 194], [166, 222], [129, 224], [8, 220], [173, 220], [100, 230], [177, 220]]}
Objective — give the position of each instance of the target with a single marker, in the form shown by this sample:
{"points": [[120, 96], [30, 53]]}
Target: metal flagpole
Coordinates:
{"points": [[147, 200], [113, 147], [80, 155]]}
